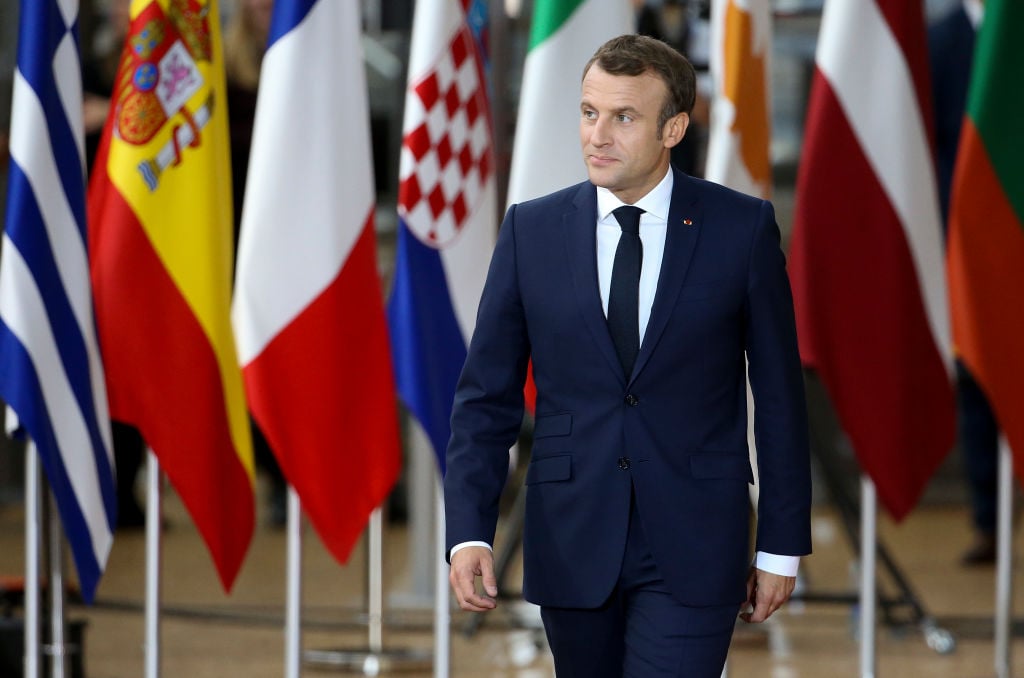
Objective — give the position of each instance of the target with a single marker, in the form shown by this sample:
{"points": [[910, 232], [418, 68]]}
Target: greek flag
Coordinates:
{"points": [[50, 370]]}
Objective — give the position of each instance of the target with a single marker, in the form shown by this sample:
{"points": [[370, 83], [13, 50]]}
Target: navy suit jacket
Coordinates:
{"points": [[674, 432]]}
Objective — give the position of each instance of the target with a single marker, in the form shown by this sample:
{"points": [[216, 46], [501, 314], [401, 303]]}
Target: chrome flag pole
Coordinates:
{"points": [[293, 603], [1004, 566], [868, 586], [442, 611], [32, 647], [57, 646], [373, 659], [152, 613]]}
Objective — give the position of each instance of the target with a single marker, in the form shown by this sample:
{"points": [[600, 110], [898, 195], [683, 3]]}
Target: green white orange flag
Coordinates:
{"points": [[741, 47], [160, 242], [985, 258], [563, 35]]}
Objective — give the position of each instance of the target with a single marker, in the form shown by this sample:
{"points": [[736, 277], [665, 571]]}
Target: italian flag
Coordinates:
{"points": [[563, 36], [985, 257]]}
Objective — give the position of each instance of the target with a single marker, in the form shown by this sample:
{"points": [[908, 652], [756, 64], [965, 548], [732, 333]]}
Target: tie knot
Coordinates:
{"points": [[628, 217]]}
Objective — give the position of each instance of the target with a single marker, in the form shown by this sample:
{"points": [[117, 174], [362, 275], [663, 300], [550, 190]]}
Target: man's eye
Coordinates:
{"points": [[622, 117], [589, 115]]}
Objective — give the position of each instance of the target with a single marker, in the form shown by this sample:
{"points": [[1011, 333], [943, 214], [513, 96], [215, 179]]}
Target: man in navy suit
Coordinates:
{"points": [[636, 542]]}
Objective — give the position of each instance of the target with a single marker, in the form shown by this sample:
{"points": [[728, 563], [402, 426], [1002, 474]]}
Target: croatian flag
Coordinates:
{"points": [[447, 209], [309, 310], [50, 369]]}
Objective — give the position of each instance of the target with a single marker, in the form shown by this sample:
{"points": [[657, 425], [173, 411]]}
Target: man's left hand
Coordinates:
{"points": [[766, 592]]}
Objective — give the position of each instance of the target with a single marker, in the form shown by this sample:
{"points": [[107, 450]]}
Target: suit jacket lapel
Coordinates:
{"points": [[684, 226], [581, 249]]}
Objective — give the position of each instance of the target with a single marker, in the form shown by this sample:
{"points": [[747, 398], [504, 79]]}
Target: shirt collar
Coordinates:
{"points": [[656, 202]]}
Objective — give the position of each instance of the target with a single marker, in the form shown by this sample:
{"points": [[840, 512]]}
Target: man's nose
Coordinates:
{"points": [[600, 134]]}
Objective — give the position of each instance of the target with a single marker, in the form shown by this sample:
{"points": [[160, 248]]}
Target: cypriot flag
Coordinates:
{"points": [[738, 146]]}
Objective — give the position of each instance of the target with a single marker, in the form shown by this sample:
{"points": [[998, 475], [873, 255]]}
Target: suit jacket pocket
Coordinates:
{"points": [[549, 469], [733, 465], [553, 425]]}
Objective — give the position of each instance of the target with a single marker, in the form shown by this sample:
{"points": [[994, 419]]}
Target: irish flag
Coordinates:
{"points": [[986, 233], [563, 36], [160, 234], [869, 284]]}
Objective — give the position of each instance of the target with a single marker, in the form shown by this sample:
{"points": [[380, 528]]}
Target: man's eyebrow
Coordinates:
{"points": [[629, 110]]}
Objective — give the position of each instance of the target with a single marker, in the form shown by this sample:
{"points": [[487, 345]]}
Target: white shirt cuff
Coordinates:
{"points": [[785, 566], [459, 547]]}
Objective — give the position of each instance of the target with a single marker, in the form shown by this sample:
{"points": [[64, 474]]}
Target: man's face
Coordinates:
{"points": [[619, 132]]}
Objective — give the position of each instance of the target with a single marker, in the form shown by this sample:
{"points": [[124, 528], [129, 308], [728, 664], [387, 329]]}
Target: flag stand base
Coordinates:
{"points": [[370, 663], [901, 610]]}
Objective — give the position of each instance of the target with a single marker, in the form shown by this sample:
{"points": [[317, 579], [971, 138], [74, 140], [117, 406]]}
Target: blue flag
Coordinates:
{"points": [[50, 370]]}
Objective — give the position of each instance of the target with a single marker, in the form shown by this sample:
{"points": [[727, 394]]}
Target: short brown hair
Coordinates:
{"points": [[634, 55]]}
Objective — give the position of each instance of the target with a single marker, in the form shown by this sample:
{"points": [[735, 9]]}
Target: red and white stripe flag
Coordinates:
{"points": [[867, 257], [308, 310]]}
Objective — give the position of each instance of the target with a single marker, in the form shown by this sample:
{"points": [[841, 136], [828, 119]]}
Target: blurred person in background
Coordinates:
{"points": [[99, 67], [951, 52], [682, 24]]}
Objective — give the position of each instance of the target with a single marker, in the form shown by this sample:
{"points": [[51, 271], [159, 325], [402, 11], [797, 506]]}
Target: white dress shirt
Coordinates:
{"points": [[653, 230]]}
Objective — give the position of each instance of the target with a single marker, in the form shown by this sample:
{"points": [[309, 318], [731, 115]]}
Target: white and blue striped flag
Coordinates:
{"points": [[50, 370]]}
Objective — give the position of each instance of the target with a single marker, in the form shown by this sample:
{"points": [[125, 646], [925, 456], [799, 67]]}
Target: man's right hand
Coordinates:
{"points": [[467, 564]]}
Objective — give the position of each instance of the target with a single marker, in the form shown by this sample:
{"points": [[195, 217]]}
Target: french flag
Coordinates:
{"points": [[447, 209], [308, 310]]}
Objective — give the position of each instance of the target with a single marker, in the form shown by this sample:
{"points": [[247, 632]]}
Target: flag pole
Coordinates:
{"points": [[293, 605], [375, 582], [57, 647], [31, 561], [868, 544], [1004, 568], [152, 614], [374, 659], [442, 613], [422, 475]]}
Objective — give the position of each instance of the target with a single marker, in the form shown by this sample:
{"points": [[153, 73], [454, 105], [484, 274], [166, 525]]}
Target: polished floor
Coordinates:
{"points": [[207, 634]]}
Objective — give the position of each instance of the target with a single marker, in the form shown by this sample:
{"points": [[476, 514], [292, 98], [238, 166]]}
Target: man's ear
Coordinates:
{"points": [[675, 129]]}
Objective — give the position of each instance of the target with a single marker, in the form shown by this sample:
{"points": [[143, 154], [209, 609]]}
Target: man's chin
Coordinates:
{"points": [[600, 178]]}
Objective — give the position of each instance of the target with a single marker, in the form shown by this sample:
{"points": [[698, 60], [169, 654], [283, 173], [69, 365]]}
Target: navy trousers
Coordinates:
{"points": [[979, 443], [641, 631]]}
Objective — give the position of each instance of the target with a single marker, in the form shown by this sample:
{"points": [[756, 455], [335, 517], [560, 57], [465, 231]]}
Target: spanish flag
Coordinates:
{"points": [[985, 254], [160, 243]]}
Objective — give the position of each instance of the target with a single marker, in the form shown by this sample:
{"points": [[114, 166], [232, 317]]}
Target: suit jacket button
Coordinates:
{"points": [[624, 463], [632, 400]]}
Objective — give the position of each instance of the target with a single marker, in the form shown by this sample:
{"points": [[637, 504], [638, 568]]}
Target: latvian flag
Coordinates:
{"points": [[867, 258]]}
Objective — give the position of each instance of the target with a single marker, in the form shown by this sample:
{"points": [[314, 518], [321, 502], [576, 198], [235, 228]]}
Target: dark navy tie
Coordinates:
{"points": [[624, 297]]}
